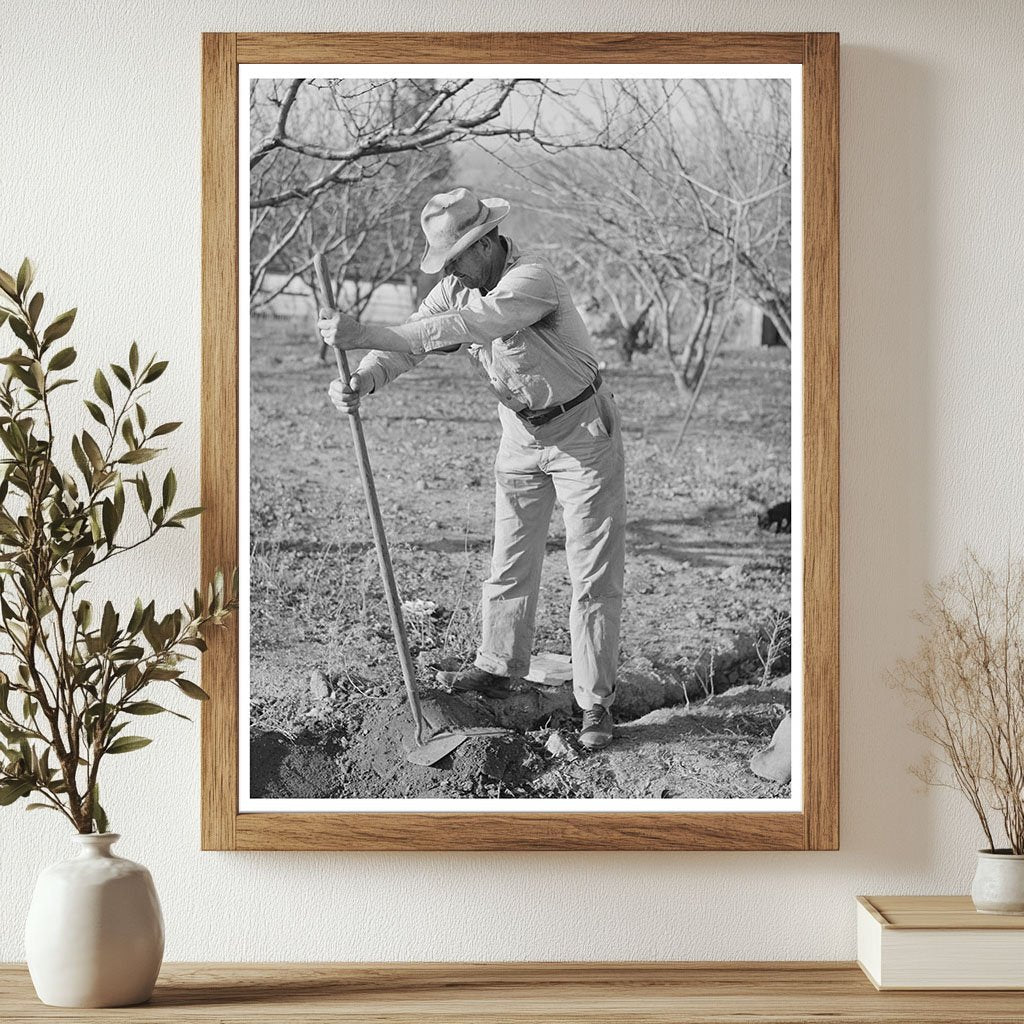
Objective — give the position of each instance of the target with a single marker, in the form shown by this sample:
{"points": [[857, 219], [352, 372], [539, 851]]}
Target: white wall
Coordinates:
{"points": [[99, 181]]}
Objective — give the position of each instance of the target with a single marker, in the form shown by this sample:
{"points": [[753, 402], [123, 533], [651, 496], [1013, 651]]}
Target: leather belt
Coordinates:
{"points": [[538, 417]]}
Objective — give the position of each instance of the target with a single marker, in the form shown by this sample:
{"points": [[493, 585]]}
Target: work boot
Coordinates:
{"points": [[476, 680], [598, 728]]}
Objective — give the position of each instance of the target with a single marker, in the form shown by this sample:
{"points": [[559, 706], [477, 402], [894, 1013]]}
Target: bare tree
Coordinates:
{"points": [[339, 165], [361, 216], [369, 229], [690, 206]]}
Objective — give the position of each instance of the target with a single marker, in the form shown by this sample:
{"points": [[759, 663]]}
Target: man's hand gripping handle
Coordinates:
{"points": [[346, 390]]}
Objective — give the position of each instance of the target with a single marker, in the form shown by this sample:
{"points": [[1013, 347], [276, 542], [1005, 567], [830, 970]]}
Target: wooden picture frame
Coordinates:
{"points": [[816, 826]]}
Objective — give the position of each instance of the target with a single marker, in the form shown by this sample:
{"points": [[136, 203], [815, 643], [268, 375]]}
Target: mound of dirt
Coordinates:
{"points": [[353, 746]]}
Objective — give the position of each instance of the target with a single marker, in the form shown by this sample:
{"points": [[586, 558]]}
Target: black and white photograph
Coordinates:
{"points": [[520, 462]]}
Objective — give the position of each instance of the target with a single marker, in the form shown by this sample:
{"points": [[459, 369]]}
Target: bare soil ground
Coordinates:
{"points": [[702, 583]]}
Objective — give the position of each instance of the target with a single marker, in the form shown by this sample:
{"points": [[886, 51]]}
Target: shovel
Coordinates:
{"points": [[426, 751]]}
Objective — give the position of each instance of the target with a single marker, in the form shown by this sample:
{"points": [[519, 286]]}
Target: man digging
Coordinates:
{"points": [[514, 317]]}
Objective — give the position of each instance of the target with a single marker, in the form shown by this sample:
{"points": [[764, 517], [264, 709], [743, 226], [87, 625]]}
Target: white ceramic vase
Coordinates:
{"points": [[95, 933], [999, 882]]}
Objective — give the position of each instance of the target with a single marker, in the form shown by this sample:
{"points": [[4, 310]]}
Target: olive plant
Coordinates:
{"points": [[79, 671]]}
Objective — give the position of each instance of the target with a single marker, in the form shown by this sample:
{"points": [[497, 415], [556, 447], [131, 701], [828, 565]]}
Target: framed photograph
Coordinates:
{"points": [[520, 419]]}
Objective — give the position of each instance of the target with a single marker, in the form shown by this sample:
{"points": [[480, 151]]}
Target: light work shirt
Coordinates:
{"points": [[525, 336]]}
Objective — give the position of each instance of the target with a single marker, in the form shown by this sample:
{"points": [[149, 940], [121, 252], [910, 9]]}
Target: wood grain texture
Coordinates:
{"points": [[489, 831], [818, 826], [524, 993], [936, 912], [522, 47], [219, 431], [821, 440]]}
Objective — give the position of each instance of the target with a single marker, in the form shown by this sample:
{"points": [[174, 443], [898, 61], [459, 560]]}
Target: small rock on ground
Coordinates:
{"points": [[319, 685]]}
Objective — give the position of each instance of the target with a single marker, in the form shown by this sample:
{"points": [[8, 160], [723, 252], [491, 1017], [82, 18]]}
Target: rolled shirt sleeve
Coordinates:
{"points": [[383, 367], [522, 297]]}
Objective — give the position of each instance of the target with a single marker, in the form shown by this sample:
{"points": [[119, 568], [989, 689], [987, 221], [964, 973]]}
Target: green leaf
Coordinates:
{"points": [[147, 707], [109, 521], [92, 449], [132, 679], [119, 499], [131, 653], [135, 622], [18, 632], [26, 274], [12, 733], [108, 627], [84, 614], [102, 388], [4, 314], [170, 487], [116, 730], [139, 455], [140, 415], [15, 790], [128, 433], [145, 497], [143, 707], [166, 428], [63, 359], [20, 329], [133, 357], [155, 371], [60, 326], [80, 459], [121, 374], [99, 816], [95, 527], [95, 412], [185, 513], [191, 690], [126, 744], [42, 807], [10, 442], [8, 285], [34, 308]]}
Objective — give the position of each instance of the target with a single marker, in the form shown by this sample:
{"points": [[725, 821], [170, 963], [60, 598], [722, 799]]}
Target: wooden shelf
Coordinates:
{"points": [[523, 993]]}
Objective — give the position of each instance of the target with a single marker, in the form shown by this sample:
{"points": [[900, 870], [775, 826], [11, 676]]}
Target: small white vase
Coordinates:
{"points": [[95, 933], [999, 882]]}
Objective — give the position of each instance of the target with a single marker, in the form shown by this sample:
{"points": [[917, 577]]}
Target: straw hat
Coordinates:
{"points": [[453, 221]]}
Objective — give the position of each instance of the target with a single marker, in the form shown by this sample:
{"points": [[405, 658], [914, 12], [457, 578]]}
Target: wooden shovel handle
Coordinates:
{"points": [[376, 522]]}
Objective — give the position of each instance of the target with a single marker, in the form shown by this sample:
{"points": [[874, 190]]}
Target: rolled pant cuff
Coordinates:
{"points": [[584, 701]]}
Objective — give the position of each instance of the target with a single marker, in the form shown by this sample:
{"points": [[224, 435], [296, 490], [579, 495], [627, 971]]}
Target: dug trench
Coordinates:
{"points": [[699, 732]]}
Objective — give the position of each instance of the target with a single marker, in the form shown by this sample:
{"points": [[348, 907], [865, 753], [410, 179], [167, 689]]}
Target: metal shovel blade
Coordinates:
{"points": [[435, 748]]}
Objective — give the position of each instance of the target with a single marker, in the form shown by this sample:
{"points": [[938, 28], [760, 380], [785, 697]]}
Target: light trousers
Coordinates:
{"points": [[577, 458]]}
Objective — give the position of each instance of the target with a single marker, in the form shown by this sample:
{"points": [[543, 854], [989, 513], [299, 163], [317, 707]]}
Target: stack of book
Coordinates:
{"points": [[938, 942]]}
